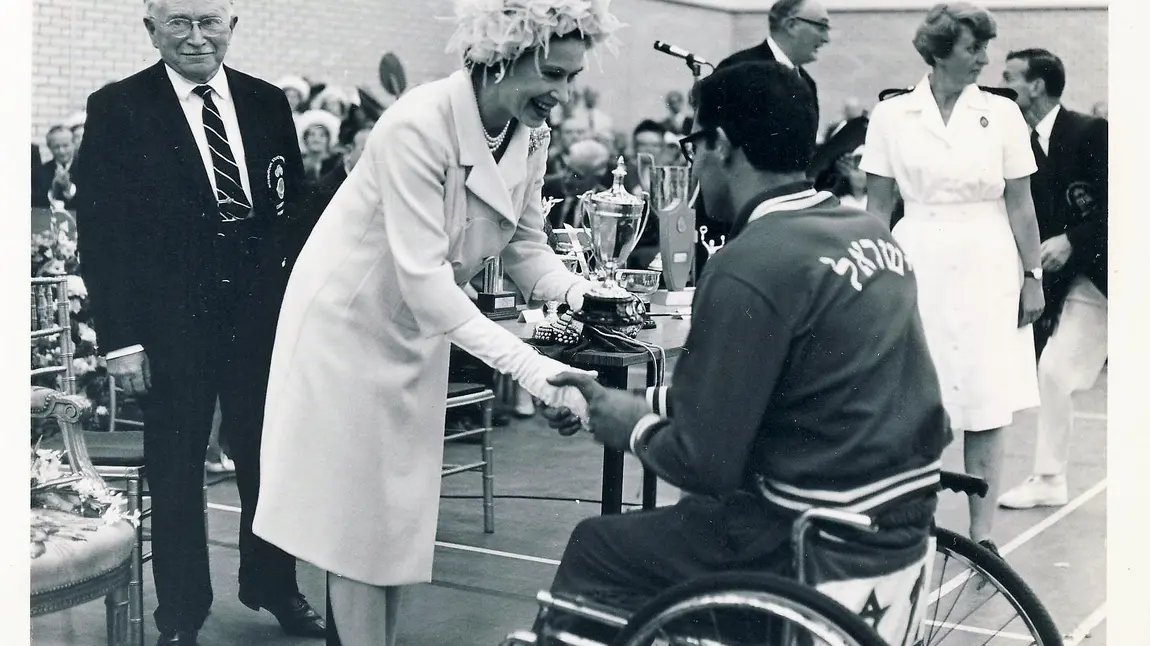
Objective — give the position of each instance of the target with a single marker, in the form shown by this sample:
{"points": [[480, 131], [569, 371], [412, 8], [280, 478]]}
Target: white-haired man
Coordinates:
{"points": [[187, 187]]}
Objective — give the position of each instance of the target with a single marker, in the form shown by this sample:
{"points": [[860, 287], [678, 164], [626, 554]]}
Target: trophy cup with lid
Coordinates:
{"points": [[616, 220]]}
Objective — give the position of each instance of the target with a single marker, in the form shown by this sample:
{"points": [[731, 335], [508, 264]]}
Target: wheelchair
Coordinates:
{"points": [[981, 600]]}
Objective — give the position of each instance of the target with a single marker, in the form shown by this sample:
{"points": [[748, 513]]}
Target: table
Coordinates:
{"points": [[670, 334]]}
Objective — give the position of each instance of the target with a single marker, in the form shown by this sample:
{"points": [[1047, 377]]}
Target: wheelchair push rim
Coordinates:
{"points": [[771, 598]]}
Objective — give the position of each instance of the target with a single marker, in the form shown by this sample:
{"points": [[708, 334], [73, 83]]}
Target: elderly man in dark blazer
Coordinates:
{"points": [[187, 185], [797, 30], [1071, 202]]}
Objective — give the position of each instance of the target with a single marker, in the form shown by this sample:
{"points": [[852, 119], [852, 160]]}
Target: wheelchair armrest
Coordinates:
{"points": [[962, 483], [582, 607]]}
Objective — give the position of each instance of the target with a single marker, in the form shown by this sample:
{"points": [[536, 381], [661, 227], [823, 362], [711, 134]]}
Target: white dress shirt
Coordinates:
{"points": [[1044, 127], [780, 55], [193, 107]]}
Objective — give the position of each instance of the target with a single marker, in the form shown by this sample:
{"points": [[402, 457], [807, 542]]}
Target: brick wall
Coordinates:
{"points": [[871, 51], [79, 45]]}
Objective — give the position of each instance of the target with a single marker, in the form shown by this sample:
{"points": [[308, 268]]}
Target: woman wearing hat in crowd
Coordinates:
{"points": [[318, 137], [960, 157], [450, 176], [297, 91]]}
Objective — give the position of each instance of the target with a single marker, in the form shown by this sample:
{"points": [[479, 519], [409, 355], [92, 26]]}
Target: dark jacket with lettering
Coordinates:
{"points": [[806, 376]]}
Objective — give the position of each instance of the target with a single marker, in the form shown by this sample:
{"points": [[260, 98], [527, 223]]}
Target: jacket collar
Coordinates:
{"points": [[921, 100], [489, 181]]}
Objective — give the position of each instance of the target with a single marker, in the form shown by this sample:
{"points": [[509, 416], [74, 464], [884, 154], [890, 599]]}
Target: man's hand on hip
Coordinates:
{"points": [[613, 413], [1055, 252], [132, 372]]}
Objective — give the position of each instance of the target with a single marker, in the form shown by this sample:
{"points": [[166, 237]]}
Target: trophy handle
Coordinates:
{"points": [[648, 166], [646, 217]]}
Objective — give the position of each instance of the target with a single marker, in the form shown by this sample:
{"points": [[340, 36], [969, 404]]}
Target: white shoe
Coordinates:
{"points": [[225, 465], [1036, 491]]}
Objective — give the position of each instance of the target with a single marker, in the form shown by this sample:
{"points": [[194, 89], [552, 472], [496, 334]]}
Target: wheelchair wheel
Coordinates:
{"points": [[741, 609], [981, 600]]}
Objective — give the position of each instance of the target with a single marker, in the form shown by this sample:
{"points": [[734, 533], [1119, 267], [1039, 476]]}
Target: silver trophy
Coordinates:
{"points": [[669, 187], [616, 220]]}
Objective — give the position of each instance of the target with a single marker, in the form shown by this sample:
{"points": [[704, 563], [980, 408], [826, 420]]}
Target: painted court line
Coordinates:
{"points": [[946, 588], [1083, 630], [452, 546], [981, 631], [1025, 536]]}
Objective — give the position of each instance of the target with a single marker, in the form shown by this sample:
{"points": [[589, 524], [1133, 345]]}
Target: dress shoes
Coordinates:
{"points": [[294, 613], [180, 638]]}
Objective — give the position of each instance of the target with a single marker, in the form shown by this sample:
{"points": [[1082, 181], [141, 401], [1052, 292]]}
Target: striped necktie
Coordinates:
{"points": [[229, 191]]}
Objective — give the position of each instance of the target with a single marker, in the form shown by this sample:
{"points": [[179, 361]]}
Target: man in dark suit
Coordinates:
{"points": [[797, 30], [52, 183], [187, 185], [1071, 203]]}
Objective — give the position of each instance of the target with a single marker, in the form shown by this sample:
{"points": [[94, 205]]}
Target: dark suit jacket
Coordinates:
{"points": [[147, 215], [1071, 197], [42, 177], [762, 52]]}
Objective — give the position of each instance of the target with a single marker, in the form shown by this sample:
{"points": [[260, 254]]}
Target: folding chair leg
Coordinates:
{"points": [[488, 470], [136, 582], [116, 613]]}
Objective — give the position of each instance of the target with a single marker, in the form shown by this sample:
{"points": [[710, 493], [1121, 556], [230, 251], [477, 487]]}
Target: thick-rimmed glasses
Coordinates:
{"points": [[687, 144], [182, 27], [824, 27]]}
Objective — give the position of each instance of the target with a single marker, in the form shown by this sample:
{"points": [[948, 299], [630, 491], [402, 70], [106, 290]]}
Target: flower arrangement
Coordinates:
{"points": [[54, 254], [54, 488]]}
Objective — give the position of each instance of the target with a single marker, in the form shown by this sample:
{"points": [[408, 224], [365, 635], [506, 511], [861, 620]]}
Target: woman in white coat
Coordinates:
{"points": [[450, 177], [960, 157]]}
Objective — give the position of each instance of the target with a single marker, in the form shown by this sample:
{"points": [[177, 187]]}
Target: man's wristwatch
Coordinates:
{"points": [[1036, 274]]}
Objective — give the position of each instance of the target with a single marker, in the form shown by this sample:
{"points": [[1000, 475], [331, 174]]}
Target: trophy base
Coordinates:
{"points": [[498, 306], [615, 312], [677, 298]]}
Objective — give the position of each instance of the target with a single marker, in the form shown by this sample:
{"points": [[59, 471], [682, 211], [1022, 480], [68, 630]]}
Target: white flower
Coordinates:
{"points": [[101, 410], [81, 367], [76, 287], [86, 333]]}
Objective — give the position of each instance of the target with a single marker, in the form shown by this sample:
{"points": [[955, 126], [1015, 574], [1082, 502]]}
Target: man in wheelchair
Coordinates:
{"points": [[805, 380]]}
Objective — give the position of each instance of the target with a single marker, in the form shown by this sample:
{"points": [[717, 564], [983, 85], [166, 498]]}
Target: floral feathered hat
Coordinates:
{"points": [[497, 32]]}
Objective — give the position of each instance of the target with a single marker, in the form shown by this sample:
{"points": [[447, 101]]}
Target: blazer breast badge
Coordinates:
{"points": [[275, 180]]}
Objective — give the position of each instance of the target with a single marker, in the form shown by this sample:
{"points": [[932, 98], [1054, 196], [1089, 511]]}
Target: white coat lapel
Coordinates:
{"points": [[490, 183]]}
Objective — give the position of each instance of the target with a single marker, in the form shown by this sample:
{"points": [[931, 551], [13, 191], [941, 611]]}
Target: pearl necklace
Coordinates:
{"points": [[493, 143]]}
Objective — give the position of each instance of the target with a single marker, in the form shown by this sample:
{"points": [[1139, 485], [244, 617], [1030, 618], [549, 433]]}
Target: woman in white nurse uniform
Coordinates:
{"points": [[960, 157]]}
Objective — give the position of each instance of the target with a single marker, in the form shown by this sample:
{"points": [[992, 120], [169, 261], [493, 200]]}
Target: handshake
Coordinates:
{"points": [[610, 414]]}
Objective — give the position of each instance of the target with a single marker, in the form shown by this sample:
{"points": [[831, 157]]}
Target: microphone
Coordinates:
{"points": [[679, 52]]}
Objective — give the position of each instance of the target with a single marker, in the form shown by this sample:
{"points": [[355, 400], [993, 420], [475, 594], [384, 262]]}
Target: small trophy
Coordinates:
{"points": [[494, 301], [616, 219]]}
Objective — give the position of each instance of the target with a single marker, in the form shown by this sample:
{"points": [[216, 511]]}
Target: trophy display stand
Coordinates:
{"points": [[494, 301]]}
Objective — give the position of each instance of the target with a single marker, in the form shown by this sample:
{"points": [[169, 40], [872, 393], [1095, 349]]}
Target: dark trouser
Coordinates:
{"points": [[226, 355], [623, 560]]}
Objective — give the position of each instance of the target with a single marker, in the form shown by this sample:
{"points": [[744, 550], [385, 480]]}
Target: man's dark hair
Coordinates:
{"points": [[782, 10], [649, 125], [767, 111], [57, 128], [1041, 64]]}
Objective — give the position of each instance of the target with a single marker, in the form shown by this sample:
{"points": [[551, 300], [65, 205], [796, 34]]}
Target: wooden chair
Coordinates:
{"points": [[462, 394], [65, 572]]}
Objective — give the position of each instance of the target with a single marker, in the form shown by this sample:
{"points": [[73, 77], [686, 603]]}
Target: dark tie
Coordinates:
{"points": [[1039, 155], [229, 192]]}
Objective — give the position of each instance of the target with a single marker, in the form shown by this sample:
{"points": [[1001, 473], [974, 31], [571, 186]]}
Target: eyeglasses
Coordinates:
{"points": [[687, 144], [824, 27], [210, 26]]}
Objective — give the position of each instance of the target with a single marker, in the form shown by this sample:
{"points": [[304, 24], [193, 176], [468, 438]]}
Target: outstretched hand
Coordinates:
{"points": [[612, 413]]}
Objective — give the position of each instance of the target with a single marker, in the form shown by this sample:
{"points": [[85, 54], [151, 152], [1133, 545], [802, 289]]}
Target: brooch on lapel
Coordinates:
{"points": [[275, 178], [540, 138], [984, 121]]}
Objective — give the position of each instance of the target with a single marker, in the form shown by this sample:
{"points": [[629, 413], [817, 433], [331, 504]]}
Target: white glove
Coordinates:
{"points": [[503, 351]]}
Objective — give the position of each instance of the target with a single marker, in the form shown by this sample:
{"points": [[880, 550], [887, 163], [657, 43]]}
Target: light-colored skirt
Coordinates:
{"points": [[969, 278]]}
